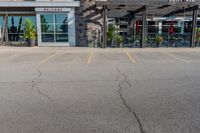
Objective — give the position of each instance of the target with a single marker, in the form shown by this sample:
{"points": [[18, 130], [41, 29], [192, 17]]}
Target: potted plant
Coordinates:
{"points": [[119, 40], [198, 36], [159, 40], [30, 32], [111, 34]]}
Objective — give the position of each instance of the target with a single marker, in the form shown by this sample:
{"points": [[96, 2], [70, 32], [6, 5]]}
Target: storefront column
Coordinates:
{"points": [[160, 27], [4, 34], [104, 27], [38, 29], [182, 27], [194, 26], [144, 26]]}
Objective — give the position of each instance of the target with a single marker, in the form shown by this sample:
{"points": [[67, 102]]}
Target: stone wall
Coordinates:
{"points": [[88, 24]]}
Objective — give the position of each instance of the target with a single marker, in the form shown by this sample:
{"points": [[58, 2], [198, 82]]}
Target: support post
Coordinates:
{"points": [[194, 26], [144, 23], [104, 26], [5, 30]]}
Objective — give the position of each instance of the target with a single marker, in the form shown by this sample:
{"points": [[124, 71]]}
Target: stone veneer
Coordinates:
{"points": [[88, 24]]}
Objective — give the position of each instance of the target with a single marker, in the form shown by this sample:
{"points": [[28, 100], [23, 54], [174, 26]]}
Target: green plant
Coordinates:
{"points": [[198, 35], [30, 31], [159, 39], [119, 40], [111, 34]]}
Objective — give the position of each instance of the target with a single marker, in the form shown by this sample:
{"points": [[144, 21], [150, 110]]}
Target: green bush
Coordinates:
{"points": [[159, 39], [198, 35], [30, 30], [111, 32], [119, 40]]}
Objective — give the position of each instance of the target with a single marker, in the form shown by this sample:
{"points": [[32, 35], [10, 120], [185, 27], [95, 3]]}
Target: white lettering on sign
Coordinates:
{"points": [[52, 9]]}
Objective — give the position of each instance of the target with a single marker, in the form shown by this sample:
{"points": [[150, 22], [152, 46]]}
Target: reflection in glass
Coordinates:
{"points": [[16, 27], [61, 28], [47, 18], [47, 28], [61, 37], [54, 27], [47, 37]]}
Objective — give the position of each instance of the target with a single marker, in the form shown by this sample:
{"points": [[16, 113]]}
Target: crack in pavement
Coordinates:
{"points": [[34, 83], [121, 88]]}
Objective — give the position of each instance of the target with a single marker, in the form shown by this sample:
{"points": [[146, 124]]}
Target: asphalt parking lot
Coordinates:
{"points": [[85, 90]]}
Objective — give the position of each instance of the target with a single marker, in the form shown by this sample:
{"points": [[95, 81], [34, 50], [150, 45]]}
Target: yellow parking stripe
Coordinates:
{"points": [[130, 57], [47, 59], [90, 58], [175, 57]]}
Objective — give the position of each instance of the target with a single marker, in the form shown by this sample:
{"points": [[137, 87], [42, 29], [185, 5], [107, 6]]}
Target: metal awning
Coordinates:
{"points": [[117, 8], [145, 8]]}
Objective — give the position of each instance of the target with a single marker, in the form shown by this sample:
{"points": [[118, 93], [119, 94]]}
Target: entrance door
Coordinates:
{"points": [[54, 29]]}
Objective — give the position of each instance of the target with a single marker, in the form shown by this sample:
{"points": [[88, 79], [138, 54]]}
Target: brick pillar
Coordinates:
{"points": [[88, 24]]}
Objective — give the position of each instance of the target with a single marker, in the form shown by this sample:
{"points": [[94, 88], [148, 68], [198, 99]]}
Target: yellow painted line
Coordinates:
{"points": [[130, 57], [175, 57], [47, 59], [90, 58]]}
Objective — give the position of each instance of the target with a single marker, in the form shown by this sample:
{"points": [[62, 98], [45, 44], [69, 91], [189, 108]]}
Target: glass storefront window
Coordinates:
{"points": [[166, 26], [54, 27], [16, 27], [188, 27], [152, 27], [61, 28], [47, 28], [1, 25]]}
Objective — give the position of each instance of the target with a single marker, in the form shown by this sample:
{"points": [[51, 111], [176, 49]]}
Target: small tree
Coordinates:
{"points": [[111, 34], [30, 32], [119, 40], [159, 40], [198, 35]]}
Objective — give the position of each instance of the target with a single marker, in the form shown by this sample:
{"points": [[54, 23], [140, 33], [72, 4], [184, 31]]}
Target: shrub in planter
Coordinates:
{"points": [[159, 40], [111, 34], [30, 32], [198, 36], [119, 40]]}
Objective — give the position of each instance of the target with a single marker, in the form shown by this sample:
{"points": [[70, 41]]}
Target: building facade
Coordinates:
{"points": [[85, 22], [54, 21]]}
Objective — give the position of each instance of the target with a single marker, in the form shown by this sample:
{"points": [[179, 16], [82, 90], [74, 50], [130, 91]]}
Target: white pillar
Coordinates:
{"points": [[160, 27], [182, 27], [38, 29], [71, 28]]}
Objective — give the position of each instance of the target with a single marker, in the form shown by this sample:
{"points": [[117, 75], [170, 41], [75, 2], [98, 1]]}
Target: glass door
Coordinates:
{"points": [[54, 28]]}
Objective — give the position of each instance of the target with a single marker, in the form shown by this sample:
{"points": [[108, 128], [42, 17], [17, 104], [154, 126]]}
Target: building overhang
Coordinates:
{"points": [[119, 8], [40, 4]]}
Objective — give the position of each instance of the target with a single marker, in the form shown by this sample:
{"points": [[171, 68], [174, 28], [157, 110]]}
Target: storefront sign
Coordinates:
{"points": [[52, 9]]}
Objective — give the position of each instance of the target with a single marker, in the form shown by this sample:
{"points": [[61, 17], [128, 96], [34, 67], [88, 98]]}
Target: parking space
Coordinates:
{"points": [[96, 56], [80, 90]]}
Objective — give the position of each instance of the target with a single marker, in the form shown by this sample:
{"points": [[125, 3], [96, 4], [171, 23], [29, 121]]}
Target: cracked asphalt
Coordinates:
{"points": [[84, 90]]}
